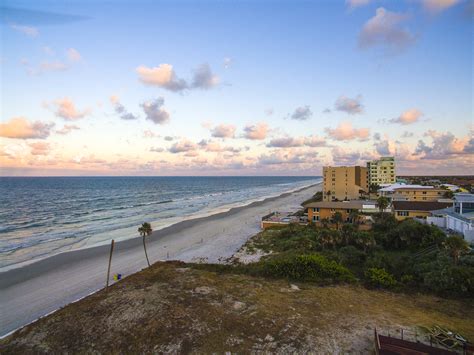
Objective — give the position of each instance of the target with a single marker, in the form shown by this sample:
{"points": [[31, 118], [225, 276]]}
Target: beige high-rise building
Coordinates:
{"points": [[382, 171], [344, 183]]}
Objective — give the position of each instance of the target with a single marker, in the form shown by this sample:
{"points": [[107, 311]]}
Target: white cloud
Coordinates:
{"points": [[408, 117], [21, 128], [165, 77], [345, 132], [121, 110], [204, 78], [301, 113], [65, 108], [74, 55], [67, 129], [162, 76], [384, 29], [436, 6], [155, 112], [182, 147], [351, 106], [227, 62], [223, 131], [258, 131], [27, 30], [39, 148], [357, 3]]}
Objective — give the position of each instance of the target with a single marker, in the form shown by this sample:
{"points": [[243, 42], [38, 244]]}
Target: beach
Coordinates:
{"points": [[37, 289]]}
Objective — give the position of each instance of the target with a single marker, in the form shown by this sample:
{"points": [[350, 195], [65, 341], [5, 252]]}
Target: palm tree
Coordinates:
{"points": [[383, 203], [336, 219], [325, 222], [456, 246], [347, 233], [145, 230]]}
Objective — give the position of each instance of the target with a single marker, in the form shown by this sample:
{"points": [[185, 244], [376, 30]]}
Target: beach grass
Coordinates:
{"points": [[176, 307]]}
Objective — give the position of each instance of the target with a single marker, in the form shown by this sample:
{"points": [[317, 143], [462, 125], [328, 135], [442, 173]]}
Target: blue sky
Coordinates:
{"points": [[394, 77]]}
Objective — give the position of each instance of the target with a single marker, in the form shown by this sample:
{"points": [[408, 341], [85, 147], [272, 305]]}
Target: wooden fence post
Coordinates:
{"points": [[110, 262]]}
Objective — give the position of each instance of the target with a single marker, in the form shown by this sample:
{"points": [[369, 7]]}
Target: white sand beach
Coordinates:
{"points": [[42, 287]]}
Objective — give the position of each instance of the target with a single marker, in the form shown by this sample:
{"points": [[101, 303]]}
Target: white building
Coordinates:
{"points": [[460, 217], [381, 171]]}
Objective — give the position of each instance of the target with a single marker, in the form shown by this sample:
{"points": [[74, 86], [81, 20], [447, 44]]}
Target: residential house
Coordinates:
{"points": [[416, 209]]}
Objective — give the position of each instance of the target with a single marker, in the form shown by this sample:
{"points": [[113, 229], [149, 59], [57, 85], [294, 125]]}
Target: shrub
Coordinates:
{"points": [[376, 277], [351, 256], [311, 267]]}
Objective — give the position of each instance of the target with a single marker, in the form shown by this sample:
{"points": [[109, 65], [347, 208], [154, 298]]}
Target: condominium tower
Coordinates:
{"points": [[344, 183], [382, 171]]}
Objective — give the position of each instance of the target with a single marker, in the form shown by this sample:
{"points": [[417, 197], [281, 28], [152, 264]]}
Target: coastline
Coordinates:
{"points": [[131, 232], [42, 287]]}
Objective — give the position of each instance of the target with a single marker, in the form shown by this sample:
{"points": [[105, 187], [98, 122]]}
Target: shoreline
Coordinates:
{"points": [[43, 286], [195, 216]]}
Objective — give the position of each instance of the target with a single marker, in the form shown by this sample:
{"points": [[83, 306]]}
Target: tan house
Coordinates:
{"points": [[344, 183], [318, 211], [416, 209]]}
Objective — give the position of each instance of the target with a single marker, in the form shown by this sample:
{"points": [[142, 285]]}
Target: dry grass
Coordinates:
{"points": [[172, 307]]}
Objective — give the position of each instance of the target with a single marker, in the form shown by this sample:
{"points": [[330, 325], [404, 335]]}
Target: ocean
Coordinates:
{"points": [[43, 216]]}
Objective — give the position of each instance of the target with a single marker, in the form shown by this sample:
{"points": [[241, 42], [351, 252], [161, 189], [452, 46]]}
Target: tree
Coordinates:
{"points": [[373, 188], [325, 222], [354, 216], [383, 203], [145, 230], [337, 219], [364, 240], [456, 246], [449, 194], [347, 232]]}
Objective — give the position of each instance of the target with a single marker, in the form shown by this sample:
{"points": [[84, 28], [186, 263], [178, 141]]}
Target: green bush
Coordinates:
{"points": [[311, 267], [376, 277]]}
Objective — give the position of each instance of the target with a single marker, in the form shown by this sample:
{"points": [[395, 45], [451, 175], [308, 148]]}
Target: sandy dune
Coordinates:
{"points": [[42, 287]]}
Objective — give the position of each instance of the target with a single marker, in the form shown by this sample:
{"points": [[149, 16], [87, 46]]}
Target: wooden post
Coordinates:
{"points": [[110, 262], [402, 333]]}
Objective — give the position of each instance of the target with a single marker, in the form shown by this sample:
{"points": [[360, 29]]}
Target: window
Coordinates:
{"points": [[402, 213], [315, 209], [317, 218], [314, 219]]}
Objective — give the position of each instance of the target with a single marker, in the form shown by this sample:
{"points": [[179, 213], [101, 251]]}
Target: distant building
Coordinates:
{"points": [[416, 209], [317, 211], [401, 192], [382, 171], [459, 217], [344, 183]]}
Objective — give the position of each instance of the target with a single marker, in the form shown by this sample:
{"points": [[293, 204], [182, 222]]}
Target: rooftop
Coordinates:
{"points": [[354, 204], [464, 197], [419, 205], [393, 187]]}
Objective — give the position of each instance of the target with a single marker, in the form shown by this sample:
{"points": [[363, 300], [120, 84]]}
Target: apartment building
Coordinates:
{"points": [[381, 171], [399, 192], [344, 183]]}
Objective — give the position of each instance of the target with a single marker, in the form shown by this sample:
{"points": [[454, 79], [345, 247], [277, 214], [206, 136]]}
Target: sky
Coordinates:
{"points": [[229, 87]]}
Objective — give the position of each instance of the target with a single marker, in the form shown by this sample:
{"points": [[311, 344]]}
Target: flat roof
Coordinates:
{"points": [[354, 204], [419, 205], [464, 197]]}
